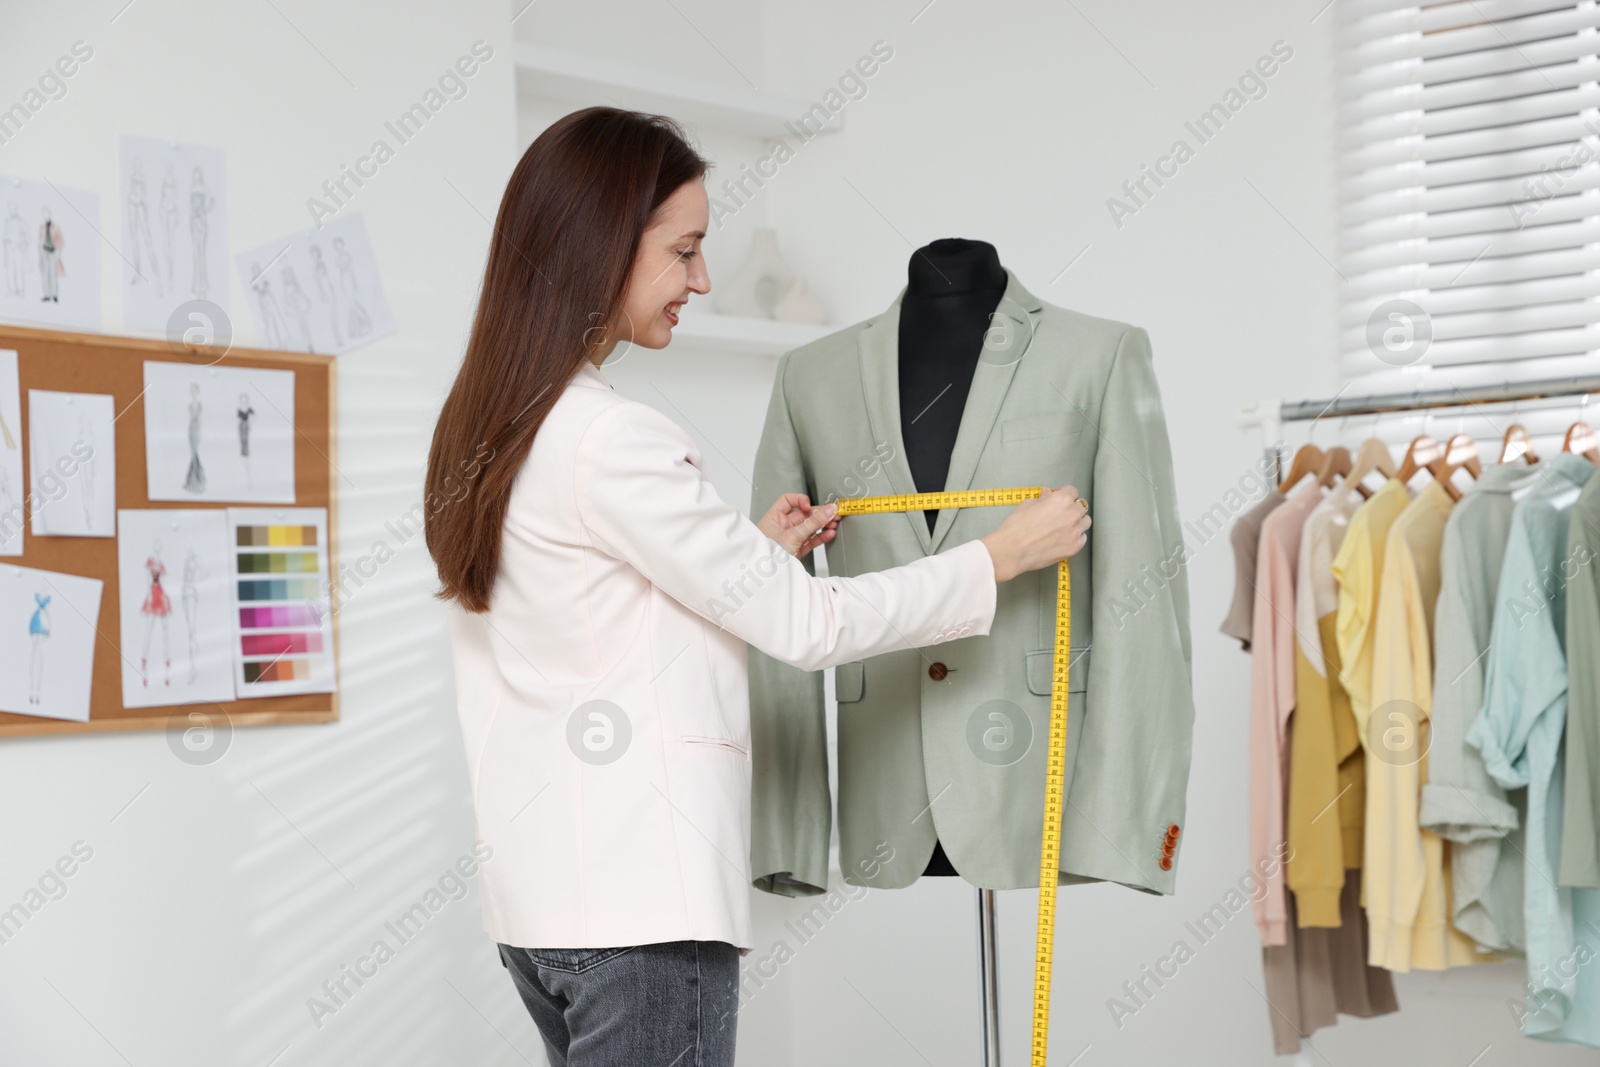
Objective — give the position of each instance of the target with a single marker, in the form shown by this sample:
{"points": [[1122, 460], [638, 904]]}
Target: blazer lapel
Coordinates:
{"points": [[1008, 337]]}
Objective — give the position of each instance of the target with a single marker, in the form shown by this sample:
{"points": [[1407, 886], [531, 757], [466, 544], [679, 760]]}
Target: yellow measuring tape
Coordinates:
{"points": [[1056, 761]]}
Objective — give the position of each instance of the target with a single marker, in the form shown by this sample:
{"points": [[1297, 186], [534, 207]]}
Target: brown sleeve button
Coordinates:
{"points": [[1172, 831], [1166, 863], [938, 671]]}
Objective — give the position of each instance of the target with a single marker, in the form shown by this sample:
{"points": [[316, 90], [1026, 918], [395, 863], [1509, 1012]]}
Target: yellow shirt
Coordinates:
{"points": [[1357, 568], [1327, 767], [1405, 872]]}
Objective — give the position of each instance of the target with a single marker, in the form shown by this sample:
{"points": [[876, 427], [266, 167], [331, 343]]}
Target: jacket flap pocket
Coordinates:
{"points": [[1041, 668], [1046, 424], [850, 680]]}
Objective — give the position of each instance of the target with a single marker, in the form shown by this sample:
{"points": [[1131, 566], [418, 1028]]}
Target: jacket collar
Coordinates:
{"points": [[1014, 323]]}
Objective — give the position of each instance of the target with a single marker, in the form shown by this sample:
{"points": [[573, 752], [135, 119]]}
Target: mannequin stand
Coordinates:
{"points": [[988, 978]]}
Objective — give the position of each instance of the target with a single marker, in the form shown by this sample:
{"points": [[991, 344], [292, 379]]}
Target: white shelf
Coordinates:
{"points": [[707, 332], [576, 79]]}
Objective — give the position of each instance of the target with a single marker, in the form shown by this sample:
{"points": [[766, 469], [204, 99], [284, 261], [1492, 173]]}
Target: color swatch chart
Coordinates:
{"points": [[280, 565]]}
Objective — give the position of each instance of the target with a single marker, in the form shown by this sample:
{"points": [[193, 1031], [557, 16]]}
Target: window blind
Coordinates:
{"points": [[1469, 186]]}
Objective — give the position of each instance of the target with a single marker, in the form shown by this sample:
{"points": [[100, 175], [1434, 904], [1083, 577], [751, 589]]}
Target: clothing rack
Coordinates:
{"points": [[1270, 415]]}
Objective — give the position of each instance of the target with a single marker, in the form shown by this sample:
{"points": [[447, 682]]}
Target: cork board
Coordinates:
{"points": [[96, 363]]}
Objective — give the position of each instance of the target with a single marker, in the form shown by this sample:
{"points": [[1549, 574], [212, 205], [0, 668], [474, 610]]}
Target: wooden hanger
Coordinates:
{"points": [[1460, 453], [1307, 460], [1335, 463], [1373, 455], [1420, 455], [1517, 445], [1581, 441]]}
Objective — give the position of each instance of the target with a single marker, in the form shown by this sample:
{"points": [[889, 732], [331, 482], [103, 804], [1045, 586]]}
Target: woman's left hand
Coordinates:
{"points": [[797, 526]]}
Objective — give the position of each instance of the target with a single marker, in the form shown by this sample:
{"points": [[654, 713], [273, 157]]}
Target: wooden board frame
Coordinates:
{"points": [[103, 363]]}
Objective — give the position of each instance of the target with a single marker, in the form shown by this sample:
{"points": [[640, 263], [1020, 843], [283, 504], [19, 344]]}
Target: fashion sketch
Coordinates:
{"points": [[326, 293], [8, 507], [86, 470], [194, 572], [245, 414], [15, 237], [38, 634], [51, 265], [271, 321], [201, 204], [169, 220], [360, 321], [298, 305], [195, 479], [155, 609], [142, 246]]}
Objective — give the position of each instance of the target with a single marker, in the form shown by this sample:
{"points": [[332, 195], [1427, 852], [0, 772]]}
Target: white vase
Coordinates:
{"points": [[760, 282], [798, 305]]}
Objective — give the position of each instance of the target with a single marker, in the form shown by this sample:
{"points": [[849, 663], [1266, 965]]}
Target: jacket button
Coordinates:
{"points": [[1172, 831], [1166, 863], [937, 672], [1167, 848]]}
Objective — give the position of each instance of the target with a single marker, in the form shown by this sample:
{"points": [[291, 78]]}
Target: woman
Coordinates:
{"points": [[602, 596]]}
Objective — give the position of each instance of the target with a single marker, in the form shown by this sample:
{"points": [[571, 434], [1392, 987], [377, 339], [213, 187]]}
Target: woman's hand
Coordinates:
{"points": [[797, 526], [1042, 531]]}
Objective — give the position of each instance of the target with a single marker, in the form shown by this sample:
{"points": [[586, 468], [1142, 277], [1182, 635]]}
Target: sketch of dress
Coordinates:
{"points": [[200, 205], [86, 471], [38, 633], [169, 221], [194, 572], [51, 267], [297, 304], [245, 414], [326, 293], [271, 322], [195, 479], [10, 514], [16, 250], [156, 608], [360, 321], [143, 247]]}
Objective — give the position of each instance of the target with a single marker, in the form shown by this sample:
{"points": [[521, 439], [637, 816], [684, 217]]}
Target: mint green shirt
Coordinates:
{"points": [[1580, 837], [1461, 801], [1520, 733]]}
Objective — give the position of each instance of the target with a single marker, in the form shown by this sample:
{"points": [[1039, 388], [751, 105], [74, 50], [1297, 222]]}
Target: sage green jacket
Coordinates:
{"points": [[949, 742]]}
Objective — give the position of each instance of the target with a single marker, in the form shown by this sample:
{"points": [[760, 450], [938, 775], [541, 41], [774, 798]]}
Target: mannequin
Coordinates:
{"points": [[953, 286]]}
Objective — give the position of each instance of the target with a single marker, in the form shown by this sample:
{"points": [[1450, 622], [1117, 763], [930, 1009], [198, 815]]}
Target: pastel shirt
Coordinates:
{"points": [[1327, 774], [1272, 694], [1357, 568], [1580, 831], [1245, 536], [1520, 733], [1461, 802], [1405, 868]]}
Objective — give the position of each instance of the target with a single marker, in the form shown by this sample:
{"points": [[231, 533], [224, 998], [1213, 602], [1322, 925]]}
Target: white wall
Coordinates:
{"points": [[220, 898]]}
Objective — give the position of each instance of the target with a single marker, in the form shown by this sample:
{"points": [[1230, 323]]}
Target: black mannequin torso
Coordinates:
{"points": [[953, 286]]}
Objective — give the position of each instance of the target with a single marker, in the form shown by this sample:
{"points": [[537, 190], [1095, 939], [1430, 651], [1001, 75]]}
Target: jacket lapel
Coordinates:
{"points": [[1008, 338]]}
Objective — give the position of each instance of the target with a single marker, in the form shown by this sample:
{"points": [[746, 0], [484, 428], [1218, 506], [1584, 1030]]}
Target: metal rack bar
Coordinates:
{"points": [[1455, 396]]}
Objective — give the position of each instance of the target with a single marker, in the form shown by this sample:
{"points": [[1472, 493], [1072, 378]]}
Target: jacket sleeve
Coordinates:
{"points": [[1580, 831], [642, 498], [1139, 705], [791, 805]]}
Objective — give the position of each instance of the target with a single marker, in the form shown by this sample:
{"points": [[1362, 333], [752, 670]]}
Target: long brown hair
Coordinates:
{"points": [[564, 242]]}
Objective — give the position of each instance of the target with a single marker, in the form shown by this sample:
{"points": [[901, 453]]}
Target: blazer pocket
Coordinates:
{"points": [[1040, 668], [1047, 424], [717, 742], [850, 681]]}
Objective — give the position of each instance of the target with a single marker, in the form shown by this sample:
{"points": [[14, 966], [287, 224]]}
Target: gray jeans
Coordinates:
{"points": [[674, 1004]]}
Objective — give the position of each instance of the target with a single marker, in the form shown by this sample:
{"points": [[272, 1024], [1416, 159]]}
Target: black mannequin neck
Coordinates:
{"points": [[954, 267]]}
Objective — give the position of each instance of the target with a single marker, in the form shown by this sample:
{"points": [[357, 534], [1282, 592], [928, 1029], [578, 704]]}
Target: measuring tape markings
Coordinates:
{"points": [[1056, 758]]}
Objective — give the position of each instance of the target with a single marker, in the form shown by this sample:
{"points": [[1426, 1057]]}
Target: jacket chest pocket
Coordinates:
{"points": [[1047, 425], [850, 681]]}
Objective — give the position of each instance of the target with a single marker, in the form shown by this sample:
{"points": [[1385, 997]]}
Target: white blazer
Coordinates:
{"points": [[604, 697]]}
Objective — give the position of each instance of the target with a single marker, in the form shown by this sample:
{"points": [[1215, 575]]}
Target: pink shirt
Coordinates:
{"points": [[1272, 646]]}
